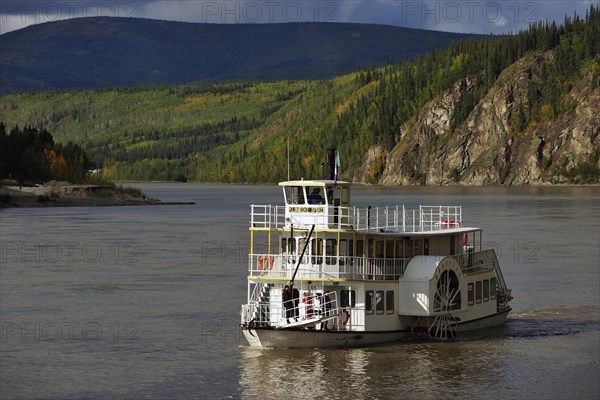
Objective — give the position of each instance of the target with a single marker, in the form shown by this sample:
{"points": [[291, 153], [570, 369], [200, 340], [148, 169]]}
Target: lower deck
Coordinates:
{"points": [[434, 295], [310, 338]]}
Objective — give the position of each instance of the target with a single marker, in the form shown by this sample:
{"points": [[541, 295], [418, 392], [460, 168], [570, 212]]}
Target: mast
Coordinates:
{"points": [[331, 164], [301, 256]]}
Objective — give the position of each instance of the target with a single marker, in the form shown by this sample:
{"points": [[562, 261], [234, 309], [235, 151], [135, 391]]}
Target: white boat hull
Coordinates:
{"points": [[311, 338], [483, 323], [308, 338]]}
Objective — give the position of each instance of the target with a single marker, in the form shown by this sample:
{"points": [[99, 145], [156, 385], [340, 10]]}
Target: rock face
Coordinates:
{"points": [[486, 149]]}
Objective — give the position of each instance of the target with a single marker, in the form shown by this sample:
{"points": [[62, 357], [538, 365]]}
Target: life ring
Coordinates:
{"points": [[343, 317], [265, 266]]}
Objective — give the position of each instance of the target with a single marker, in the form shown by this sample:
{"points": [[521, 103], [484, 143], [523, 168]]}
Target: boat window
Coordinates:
{"points": [[288, 248], [389, 301], [379, 249], [330, 251], [418, 243], [315, 195], [389, 249], [400, 248], [294, 195], [346, 247], [478, 292], [486, 290], [345, 196], [379, 302], [333, 196], [347, 298], [408, 248], [343, 251], [317, 251], [370, 302], [359, 248], [471, 294], [370, 248], [426, 246], [493, 288]]}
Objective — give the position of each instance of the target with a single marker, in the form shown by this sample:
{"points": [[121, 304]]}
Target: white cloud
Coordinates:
{"points": [[247, 11], [20, 14], [475, 16], [11, 23]]}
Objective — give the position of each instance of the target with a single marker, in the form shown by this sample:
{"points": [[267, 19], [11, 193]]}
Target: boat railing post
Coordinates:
{"points": [[414, 222], [387, 214]]}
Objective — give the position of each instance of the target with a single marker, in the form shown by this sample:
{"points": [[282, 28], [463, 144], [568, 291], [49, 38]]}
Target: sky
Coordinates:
{"points": [[465, 16]]}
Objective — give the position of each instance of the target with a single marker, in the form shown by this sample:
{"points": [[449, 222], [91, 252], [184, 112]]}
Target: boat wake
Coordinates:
{"points": [[541, 323]]}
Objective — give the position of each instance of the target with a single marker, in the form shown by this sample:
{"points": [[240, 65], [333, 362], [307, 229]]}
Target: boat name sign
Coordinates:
{"points": [[314, 210]]}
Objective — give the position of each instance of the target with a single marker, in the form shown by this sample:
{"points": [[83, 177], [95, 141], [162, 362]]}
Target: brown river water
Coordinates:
{"points": [[143, 302]]}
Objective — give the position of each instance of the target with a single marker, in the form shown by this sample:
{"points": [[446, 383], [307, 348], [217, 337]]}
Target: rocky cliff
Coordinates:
{"points": [[487, 148]]}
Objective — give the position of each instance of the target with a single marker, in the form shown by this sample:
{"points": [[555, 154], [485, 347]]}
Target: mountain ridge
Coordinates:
{"points": [[107, 52]]}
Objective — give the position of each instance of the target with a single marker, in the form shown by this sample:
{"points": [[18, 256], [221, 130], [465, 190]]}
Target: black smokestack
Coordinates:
{"points": [[331, 164]]}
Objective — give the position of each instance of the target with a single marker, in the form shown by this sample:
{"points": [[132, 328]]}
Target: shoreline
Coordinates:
{"points": [[64, 194]]}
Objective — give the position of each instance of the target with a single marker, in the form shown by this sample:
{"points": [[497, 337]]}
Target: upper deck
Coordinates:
{"points": [[326, 205]]}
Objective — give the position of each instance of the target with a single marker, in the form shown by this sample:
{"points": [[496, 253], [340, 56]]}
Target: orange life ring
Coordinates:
{"points": [[265, 266], [341, 319]]}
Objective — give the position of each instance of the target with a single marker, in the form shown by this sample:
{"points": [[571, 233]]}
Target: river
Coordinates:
{"points": [[143, 302]]}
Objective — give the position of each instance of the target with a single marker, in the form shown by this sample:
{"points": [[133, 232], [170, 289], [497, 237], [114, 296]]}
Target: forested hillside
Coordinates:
{"points": [[414, 114], [29, 155], [424, 116]]}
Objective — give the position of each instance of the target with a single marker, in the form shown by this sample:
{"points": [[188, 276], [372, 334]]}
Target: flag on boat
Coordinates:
{"points": [[338, 165]]}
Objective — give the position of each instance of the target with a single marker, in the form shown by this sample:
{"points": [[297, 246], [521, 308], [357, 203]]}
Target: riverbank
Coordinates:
{"points": [[65, 194]]}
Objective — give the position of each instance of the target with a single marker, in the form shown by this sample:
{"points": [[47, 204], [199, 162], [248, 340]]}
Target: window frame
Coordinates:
{"points": [[471, 293], [486, 290], [292, 195], [379, 302], [389, 302], [478, 292], [347, 298], [370, 302]]}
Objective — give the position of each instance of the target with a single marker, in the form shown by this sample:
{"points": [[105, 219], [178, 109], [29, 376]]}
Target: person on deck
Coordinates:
{"points": [[288, 303]]}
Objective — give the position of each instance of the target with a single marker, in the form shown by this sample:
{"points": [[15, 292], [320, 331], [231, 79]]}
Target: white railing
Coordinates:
{"points": [[360, 268], [473, 262], [267, 216], [329, 267], [273, 313], [378, 219]]}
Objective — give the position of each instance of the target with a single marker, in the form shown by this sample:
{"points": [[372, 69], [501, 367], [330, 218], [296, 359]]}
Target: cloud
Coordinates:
{"points": [[474, 16], [22, 13], [246, 11]]}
